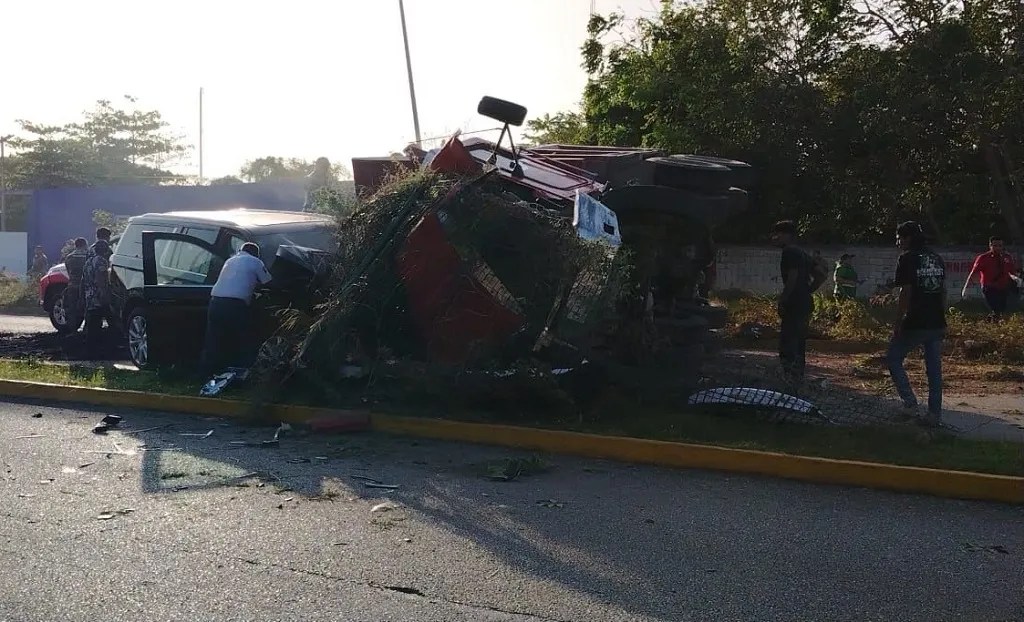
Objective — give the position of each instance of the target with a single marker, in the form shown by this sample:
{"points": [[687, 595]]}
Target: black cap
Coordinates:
{"points": [[910, 229]]}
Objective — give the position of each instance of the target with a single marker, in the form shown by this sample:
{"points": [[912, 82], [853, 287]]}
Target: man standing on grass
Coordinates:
{"points": [[229, 317], [998, 272], [921, 320], [800, 279]]}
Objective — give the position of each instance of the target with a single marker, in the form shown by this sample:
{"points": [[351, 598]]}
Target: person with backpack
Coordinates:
{"points": [[998, 273], [921, 319], [801, 277]]}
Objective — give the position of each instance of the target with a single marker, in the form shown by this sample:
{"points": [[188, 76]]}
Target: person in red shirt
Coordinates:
{"points": [[998, 272]]}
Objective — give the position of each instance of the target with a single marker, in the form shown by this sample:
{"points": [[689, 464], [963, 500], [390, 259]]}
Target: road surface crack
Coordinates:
{"points": [[409, 591]]}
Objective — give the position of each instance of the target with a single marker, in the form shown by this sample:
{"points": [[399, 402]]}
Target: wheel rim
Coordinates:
{"points": [[60, 315], [138, 343]]}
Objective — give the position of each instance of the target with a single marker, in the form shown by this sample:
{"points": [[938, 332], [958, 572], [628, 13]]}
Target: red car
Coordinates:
{"points": [[51, 298]]}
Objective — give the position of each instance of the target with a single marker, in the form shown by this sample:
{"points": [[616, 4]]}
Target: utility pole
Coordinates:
{"points": [[408, 66], [200, 136], [3, 183]]}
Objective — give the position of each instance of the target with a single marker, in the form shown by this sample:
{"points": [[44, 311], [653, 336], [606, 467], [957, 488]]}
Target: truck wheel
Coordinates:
{"points": [[692, 174], [742, 173], [502, 111]]}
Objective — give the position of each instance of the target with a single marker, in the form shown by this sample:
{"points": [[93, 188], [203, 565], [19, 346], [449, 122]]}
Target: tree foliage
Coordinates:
{"points": [[856, 113], [273, 168], [111, 145]]}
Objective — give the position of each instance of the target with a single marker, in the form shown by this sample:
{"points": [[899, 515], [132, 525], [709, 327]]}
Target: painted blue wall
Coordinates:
{"points": [[59, 214]]}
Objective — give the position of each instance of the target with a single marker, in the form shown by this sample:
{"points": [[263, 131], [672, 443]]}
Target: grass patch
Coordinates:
{"points": [[15, 294], [969, 336], [895, 445], [99, 377]]}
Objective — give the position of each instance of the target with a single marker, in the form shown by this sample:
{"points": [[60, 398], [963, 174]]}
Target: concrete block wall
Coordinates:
{"points": [[756, 268]]}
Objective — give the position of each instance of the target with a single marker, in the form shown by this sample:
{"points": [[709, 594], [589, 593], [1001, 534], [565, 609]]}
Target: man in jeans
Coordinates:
{"points": [[998, 271], [800, 279], [229, 317], [921, 277]]}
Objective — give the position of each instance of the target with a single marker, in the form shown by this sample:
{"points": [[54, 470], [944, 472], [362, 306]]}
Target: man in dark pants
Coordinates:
{"points": [[96, 294], [921, 277], [74, 299], [800, 279], [997, 270], [102, 243], [229, 318]]}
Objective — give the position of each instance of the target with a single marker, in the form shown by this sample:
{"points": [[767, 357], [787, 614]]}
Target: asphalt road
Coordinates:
{"points": [[25, 324], [205, 530]]}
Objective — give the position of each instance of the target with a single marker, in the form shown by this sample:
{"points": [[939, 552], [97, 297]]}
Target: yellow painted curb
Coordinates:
{"points": [[942, 483], [213, 407]]}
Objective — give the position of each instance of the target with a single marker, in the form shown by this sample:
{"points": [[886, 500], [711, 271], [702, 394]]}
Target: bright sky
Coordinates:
{"points": [[300, 78]]}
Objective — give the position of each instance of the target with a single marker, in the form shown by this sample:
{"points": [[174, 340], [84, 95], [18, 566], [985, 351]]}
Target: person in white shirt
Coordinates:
{"points": [[229, 317]]}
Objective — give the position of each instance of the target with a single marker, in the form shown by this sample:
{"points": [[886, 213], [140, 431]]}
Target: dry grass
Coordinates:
{"points": [[970, 337]]}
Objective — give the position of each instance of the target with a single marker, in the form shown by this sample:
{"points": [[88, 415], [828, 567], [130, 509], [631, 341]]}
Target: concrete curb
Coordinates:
{"points": [[937, 482]]}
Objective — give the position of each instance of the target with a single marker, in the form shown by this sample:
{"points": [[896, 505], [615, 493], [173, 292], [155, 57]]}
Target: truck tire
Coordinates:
{"points": [[502, 111], [742, 173], [691, 174]]}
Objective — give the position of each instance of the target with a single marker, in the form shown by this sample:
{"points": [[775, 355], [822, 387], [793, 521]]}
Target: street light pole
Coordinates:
{"points": [[3, 184], [408, 66]]}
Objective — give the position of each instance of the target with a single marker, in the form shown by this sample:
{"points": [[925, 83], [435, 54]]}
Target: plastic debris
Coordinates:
{"points": [[218, 383], [387, 506]]}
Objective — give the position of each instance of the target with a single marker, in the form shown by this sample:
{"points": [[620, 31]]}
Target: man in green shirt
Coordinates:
{"points": [[846, 279]]}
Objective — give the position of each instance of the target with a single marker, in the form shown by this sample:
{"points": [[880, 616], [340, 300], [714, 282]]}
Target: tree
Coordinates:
{"points": [[109, 146], [856, 113], [271, 168]]}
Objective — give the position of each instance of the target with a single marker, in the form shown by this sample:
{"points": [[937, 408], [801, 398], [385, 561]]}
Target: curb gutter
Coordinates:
{"points": [[936, 482]]}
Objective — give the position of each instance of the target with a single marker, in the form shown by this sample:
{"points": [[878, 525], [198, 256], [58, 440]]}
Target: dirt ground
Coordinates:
{"points": [[52, 346], [856, 389]]}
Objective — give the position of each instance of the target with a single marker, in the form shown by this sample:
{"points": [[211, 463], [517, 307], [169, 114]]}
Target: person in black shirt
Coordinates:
{"points": [[921, 277], [796, 303]]}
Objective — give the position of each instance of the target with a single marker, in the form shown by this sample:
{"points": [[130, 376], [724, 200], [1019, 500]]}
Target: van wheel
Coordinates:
{"points": [[138, 338]]}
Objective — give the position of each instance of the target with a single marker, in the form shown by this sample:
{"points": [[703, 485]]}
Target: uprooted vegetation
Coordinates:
{"points": [[451, 292]]}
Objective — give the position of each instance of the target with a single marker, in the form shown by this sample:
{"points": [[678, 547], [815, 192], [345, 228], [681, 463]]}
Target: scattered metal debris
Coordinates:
{"points": [[31, 436], [198, 435], [156, 427], [369, 482]]}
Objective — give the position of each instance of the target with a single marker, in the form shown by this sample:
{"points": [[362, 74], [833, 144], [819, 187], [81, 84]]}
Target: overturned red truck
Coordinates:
{"points": [[661, 209]]}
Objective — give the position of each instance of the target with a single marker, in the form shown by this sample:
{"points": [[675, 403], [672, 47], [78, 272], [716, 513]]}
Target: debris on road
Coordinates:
{"points": [[198, 435], [31, 436], [755, 398], [105, 424], [369, 482], [387, 506], [550, 503], [37, 416]]}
